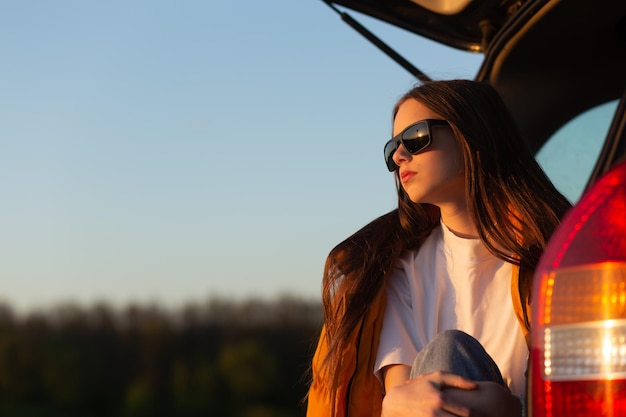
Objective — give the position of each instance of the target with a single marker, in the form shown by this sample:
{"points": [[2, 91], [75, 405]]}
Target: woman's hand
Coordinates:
{"points": [[427, 396], [488, 400], [445, 394]]}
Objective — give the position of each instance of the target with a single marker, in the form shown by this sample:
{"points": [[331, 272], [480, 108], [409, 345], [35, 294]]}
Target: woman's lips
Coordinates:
{"points": [[407, 175]]}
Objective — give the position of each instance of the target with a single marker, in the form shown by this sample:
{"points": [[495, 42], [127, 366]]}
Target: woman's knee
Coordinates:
{"points": [[457, 352]]}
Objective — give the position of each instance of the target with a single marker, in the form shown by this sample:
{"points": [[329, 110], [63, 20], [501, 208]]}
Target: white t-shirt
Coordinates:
{"points": [[452, 283]]}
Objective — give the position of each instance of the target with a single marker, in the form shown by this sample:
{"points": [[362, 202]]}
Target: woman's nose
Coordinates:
{"points": [[401, 154]]}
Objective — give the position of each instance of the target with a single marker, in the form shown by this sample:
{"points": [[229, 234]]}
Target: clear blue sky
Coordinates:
{"points": [[159, 151]]}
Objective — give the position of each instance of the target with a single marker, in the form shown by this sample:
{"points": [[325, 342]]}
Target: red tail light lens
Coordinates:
{"points": [[578, 359]]}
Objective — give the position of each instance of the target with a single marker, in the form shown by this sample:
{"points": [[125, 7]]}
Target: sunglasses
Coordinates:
{"points": [[415, 138]]}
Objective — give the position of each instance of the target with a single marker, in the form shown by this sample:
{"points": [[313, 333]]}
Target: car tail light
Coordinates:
{"points": [[578, 359]]}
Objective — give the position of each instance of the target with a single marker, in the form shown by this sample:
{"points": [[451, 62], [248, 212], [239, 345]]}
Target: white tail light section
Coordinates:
{"points": [[578, 357]]}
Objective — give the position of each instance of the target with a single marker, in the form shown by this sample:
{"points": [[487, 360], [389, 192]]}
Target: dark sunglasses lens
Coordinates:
{"points": [[390, 149], [416, 138]]}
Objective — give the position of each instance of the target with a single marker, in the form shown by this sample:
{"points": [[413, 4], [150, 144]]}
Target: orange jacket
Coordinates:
{"points": [[358, 392]]}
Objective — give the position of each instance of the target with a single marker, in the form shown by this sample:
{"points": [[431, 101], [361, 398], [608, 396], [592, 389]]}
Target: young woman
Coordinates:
{"points": [[427, 307]]}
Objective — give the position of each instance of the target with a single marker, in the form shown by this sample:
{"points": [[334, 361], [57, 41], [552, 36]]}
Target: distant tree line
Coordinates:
{"points": [[220, 358]]}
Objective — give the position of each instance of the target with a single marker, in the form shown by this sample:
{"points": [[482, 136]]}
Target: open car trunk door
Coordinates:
{"points": [[550, 60]]}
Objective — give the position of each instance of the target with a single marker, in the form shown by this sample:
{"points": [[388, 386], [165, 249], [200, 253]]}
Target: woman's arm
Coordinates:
{"points": [[442, 391], [394, 375]]}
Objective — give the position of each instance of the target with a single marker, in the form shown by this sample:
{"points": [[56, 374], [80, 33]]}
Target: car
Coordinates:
{"points": [[555, 63]]}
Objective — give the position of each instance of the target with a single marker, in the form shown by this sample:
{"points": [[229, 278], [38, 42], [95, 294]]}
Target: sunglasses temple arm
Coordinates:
{"points": [[380, 44]]}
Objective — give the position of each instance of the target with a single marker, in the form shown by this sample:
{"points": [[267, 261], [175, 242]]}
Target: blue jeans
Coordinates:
{"points": [[459, 353]]}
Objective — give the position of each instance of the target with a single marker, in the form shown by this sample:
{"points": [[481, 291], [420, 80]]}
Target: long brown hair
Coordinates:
{"points": [[513, 203]]}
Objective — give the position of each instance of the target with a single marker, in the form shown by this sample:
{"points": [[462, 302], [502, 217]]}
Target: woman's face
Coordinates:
{"points": [[434, 175]]}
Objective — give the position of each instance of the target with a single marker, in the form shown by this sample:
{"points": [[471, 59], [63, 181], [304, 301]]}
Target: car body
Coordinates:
{"points": [[552, 61]]}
